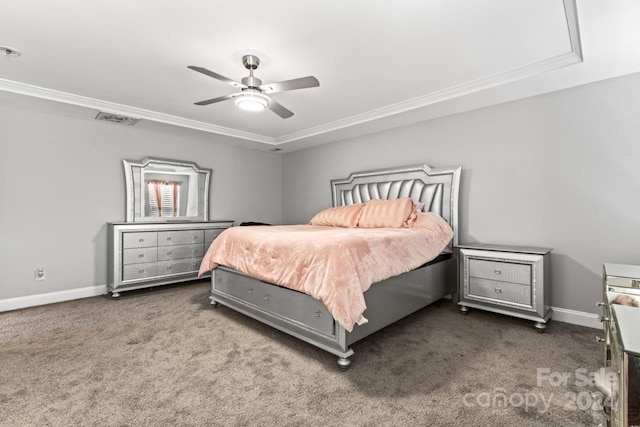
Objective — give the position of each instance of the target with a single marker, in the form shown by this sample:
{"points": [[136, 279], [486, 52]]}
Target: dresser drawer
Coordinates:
{"points": [[182, 237], [180, 252], [139, 271], [211, 233], [139, 255], [500, 291], [500, 270], [179, 266], [287, 303], [143, 239]]}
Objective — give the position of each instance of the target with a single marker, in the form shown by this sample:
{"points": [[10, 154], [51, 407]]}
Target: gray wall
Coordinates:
{"points": [[62, 180], [559, 170]]}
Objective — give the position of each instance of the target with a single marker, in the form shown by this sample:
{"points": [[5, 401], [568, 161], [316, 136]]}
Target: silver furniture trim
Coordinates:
{"points": [[142, 255], [387, 301]]}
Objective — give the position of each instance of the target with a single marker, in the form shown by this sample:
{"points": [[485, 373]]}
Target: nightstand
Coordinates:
{"points": [[511, 280]]}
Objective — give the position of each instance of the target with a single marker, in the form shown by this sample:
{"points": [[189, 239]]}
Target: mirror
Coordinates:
{"points": [[166, 191]]}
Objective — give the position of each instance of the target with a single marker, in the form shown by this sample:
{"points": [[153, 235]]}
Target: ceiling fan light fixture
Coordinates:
{"points": [[251, 100]]}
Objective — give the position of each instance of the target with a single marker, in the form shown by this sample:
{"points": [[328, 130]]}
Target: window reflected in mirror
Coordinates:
{"points": [[166, 190]]}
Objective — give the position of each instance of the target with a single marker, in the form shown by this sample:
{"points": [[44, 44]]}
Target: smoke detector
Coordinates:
{"points": [[116, 118]]}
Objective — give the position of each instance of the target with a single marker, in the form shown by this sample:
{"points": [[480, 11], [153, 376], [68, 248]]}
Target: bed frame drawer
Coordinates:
{"points": [[501, 271], [292, 305]]}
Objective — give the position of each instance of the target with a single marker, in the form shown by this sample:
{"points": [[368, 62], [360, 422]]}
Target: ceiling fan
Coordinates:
{"points": [[253, 95]]}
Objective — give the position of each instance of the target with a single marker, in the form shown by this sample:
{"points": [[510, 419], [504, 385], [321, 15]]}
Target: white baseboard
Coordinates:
{"points": [[51, 297], [576, 317]]}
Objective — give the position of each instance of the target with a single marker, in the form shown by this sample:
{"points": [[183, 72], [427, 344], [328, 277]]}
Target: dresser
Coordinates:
{"points": [[620, 378], [143, 254], [511, 280]]}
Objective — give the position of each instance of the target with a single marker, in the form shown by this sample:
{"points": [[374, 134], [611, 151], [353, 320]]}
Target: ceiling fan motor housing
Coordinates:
{"points": [[252, 82]]}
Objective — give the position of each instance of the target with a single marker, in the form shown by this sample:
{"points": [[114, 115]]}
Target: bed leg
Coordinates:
{"points": [[213, 303], [344, 363], [464, 309], [540, 327], [115, 295]]}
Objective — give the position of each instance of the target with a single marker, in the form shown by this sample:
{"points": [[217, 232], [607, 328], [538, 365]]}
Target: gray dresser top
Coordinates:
{"points": [[506, 248], [622, 270]]}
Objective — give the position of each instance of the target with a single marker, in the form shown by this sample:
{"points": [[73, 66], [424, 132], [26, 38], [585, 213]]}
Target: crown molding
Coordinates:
{"points": [[126, 110], [467, 88]]}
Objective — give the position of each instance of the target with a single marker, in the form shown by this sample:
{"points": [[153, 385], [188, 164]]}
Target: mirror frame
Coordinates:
{"points": [[133, 171]]}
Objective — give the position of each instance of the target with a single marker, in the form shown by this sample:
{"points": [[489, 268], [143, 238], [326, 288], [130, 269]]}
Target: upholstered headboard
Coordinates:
{"points": [[437, 188]]}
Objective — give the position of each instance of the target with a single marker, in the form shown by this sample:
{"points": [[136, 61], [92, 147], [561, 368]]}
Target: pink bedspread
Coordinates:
{"points": [[332, 264]]}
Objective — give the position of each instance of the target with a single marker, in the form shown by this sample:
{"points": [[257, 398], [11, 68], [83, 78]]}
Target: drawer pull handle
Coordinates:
{"points": [[603, 319], [598, 339], [168, 239], [267, 297], [498, 272], [498, 290], [141, 256], [168, 267], [141, 271], [219, 280], [194, 237], [635, 283], [252, 291], [168, 252], [140, 240], [317, 314]]}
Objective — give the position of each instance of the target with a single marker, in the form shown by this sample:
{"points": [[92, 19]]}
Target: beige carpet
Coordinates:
{"points": [[166, 357]]}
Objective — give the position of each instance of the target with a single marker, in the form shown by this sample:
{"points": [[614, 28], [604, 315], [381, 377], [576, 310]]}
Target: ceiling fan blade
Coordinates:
{"points": [[214, 100], [300, 83], [279, 109], [216, 76]]}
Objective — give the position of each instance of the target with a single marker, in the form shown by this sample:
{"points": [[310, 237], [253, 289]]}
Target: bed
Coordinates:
{"points": [[387, 301]]}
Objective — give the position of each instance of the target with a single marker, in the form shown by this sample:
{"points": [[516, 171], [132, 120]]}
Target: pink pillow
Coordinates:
{"points": [[432, 221], [339, 216], [380, 213], [417, 208]]}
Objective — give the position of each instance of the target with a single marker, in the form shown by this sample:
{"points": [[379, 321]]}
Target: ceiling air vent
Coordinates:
{"points": [[115, 118]]}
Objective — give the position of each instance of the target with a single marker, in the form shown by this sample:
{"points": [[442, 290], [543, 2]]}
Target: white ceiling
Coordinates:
{"points": [[380, 64]]}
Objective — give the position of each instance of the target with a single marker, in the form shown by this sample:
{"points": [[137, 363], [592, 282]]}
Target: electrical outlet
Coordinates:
{"points": [[41, 273]]}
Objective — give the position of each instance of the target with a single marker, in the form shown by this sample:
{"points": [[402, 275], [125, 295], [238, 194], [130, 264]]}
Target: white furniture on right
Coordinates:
{"points": [[512, 280]]}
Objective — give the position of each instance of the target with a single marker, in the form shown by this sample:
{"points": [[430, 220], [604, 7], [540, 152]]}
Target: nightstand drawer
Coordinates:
{"points": [[500, 271], [501, 291]]}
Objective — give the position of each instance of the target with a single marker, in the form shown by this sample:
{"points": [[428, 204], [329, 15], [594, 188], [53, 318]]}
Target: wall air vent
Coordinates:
{"points": [[115, 118], [275, 149]]}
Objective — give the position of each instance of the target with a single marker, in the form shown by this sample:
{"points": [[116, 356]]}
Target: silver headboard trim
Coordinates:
{"points": [[437, 188]]}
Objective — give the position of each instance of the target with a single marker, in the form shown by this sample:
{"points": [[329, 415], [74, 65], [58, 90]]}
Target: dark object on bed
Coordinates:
{"points": [[249, 223], [306, 318]]}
